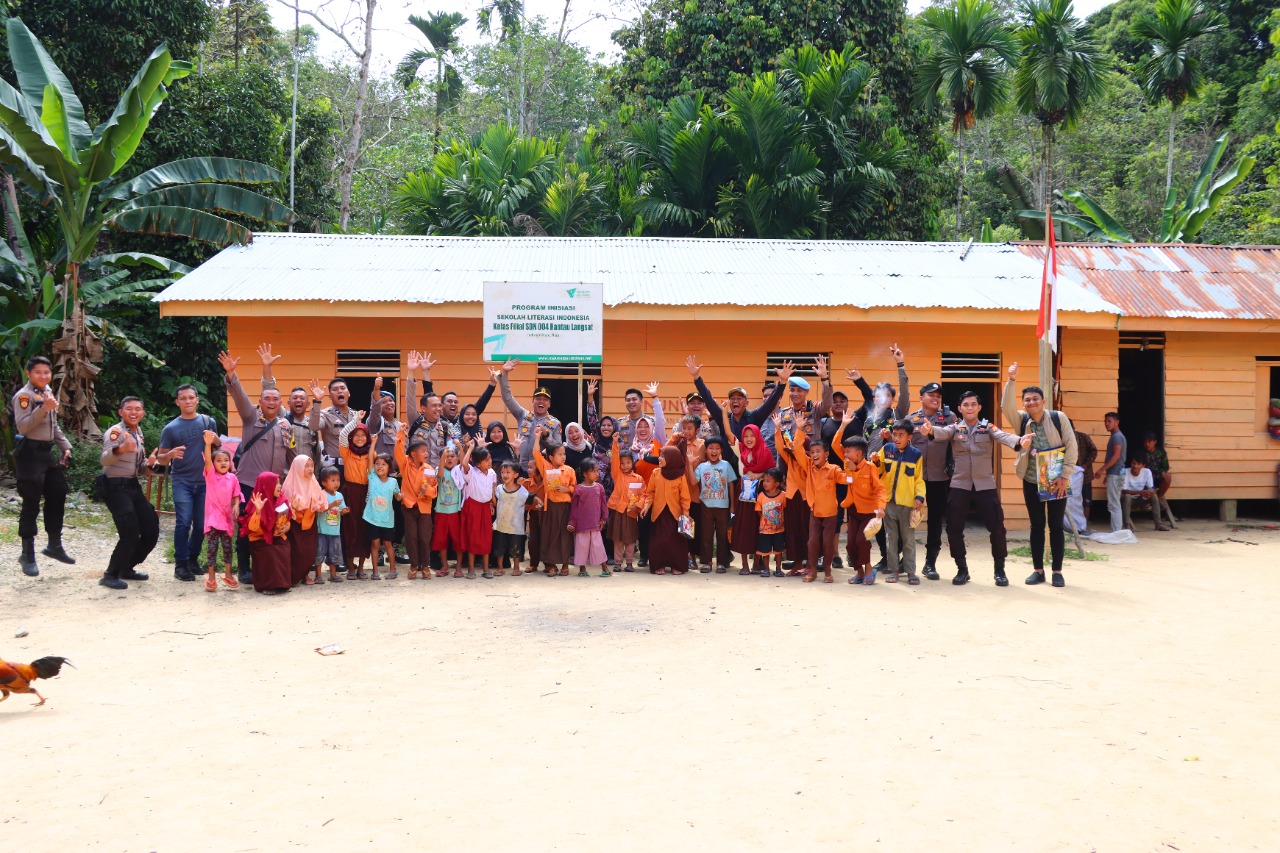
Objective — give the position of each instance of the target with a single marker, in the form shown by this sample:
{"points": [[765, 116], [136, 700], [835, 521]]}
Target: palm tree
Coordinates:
{"points": [[48, 148], [440, 30], [1060, 70], [1171, 73], [967, 62]]}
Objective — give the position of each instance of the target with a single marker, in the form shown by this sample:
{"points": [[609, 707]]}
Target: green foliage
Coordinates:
{"points": [[1171, 72], [1060, 68], [968, 62]]}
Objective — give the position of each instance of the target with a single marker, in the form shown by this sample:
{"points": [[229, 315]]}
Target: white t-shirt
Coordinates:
{"points": [[1140, 483]]}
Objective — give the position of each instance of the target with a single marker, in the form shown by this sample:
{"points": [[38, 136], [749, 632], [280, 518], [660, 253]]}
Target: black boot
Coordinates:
{"points": [[962, 573], [1001, 580], [182, 571], [112, 583], [27, 560], [930, 571], [55, 550]]}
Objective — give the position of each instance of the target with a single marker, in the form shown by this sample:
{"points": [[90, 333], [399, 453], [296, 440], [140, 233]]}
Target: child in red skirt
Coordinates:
{"points": [[588, 512], [477, 507], [447, 532]]}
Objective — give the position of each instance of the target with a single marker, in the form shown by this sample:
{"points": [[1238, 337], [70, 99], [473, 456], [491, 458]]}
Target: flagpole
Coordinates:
{"points": [[1046, 352]]}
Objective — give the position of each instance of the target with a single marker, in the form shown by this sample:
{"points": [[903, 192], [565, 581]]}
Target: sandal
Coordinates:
{"points": [[308, 582], [721, 570], [499, 573], [891, 577], [856, 579], [230, 582], [660, 571], [605, 573], [412, 576], [374, 576], [457, 573], [471, 574], [870, 578], [764, 573], [488, 575], [352, 575], [706, 570], [679, 571], [442, 573], [791, 573], [211, 584], [777, 573], [744, 571], [583, 573], [392, 575], [828, 579], [810, 577], [515, 573], [629, 568], [336, 578], [319, 579], [564, 572], [912, 580]]}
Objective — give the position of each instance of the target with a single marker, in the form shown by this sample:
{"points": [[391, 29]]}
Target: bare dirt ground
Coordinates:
{"points": [[1132, 711]]}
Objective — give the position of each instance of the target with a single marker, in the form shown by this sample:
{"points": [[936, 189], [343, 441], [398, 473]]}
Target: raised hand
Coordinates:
{"points": [[510, 365], [895, 351], [820, 367], [652, 389], [210, 436], [784, 372], [264, 353], [129, 444], [799, 418], [593, 385], [777, 419], [412, 359], [1013, 371], [377, 384], [684, 406], [228, 363], [927, 428], [258, 501], [885, 435], [317, 391], [50, 403], [426, 363], [849, 415], [693, 367], [359, 416], [1025, 441], [853, 374], [494, 373]]}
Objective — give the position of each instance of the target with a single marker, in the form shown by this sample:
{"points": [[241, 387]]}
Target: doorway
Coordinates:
{"points": [[1141, 386], [988, 393], [568, 386]]}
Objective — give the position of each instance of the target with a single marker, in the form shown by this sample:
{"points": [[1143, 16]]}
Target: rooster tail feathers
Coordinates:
{"points": [[50, 667]]}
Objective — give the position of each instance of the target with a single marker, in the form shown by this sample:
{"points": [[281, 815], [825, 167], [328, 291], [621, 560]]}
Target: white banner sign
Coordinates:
{"points": [[543, 321]]}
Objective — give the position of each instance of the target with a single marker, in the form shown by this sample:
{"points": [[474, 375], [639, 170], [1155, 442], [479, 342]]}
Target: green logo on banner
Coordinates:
{"points": [[571, 291]]}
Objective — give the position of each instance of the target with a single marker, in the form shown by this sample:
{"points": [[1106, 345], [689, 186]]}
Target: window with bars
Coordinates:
{"points": [[1142, 340], [803, 363], [970, 365], [357, 361]]}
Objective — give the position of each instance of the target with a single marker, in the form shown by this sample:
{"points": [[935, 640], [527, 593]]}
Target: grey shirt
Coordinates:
{"points": [[1117, 439], [306, 438], [274, 451], [384, 434], [974, 451], [527, 422], [935, 452], [122, 464], [31, 421]]}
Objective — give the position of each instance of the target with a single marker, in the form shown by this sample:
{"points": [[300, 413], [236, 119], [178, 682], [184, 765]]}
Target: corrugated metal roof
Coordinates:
{"points": [[652, 271], [1177, 280]]}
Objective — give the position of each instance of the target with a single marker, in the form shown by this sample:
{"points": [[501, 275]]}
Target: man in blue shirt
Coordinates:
{"points": [[182, 449]]}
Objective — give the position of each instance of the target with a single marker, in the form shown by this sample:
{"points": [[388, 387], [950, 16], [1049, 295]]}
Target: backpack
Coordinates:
{"points": [[1053, 413]]}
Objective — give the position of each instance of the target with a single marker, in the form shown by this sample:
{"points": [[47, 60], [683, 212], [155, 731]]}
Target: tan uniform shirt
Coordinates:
{"points": [[122, 464], [32, 421], [974, 450]]}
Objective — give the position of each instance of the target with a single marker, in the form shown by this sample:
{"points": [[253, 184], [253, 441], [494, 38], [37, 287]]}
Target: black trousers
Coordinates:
{"points": [[935, 497], [1054, 512], [137, 526], [243, 565], [988, 505], [39, 477]]}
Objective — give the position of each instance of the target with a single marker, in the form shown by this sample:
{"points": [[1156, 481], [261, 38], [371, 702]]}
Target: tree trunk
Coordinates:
{"points": [[76, 356], [1168, 169], [960, 184], [346, 177]]}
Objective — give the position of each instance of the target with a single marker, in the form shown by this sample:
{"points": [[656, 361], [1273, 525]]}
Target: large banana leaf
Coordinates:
{"points": [[28, 173], [115, 140], [1114, 230], [32, 137], [133, 259], [194, 170], [180, 222], [1083, 224], [218, 198], [37, 72]]}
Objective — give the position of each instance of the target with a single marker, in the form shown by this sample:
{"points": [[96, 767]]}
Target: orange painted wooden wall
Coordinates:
{"points": [[638, 352]]}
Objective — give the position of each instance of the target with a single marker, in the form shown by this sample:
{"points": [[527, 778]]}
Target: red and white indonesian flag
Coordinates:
{"points": [[1047, 326]]}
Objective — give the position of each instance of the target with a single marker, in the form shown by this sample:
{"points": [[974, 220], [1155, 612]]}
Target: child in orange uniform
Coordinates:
{"points": [[418, 487], [865, 498], [818, 479], [624, 507], [555, 541], [771, 504]]}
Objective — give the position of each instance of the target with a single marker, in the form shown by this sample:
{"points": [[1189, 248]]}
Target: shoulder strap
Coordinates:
{"points": [[244, 446], [1026, 419], [1057, 421]]}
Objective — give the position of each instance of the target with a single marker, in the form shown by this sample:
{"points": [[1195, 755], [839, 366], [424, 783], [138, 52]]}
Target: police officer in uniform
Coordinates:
{"points": [[123, 455], [35, 420], [528, 421], [937, 469]]}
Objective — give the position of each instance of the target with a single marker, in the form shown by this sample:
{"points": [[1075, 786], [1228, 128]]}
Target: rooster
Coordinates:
{"points": [[17, 677]]}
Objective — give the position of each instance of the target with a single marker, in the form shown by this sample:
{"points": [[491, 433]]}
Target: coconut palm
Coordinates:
{"points": [[1060, 70], [73, 171], [967, 63], [1171, 73], [441, 31]]}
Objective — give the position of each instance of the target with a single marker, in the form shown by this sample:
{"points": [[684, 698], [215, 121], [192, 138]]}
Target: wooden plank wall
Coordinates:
{"points": [[1214, 427], [1087, 371], [643, 351]]}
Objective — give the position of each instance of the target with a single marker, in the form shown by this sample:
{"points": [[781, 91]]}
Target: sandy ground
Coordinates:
{"points": [[1131, 711]]}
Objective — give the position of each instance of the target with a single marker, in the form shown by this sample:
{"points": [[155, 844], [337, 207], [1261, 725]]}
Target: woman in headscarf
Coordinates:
{"points": [[756, 459], [645, 448], [305, 498], [576, 447], [265, 523], [666, 500], [500, 447], [469, 422], [354, 446]]}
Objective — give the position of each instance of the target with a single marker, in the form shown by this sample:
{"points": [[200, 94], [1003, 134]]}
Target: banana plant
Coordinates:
{"points": [[1180, 222], [76, 172]]}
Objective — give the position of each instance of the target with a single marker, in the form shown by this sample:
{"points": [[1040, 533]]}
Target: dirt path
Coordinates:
{"points": [[1132, 711]]}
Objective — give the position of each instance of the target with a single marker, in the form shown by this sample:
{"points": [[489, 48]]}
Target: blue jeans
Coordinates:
{"points": [[188, 525]]}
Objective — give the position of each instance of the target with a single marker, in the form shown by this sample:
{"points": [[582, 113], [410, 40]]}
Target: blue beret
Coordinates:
{"points": [[799, 382]]}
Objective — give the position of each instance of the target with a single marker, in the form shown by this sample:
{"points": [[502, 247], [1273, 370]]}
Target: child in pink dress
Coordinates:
{"points": [[588, 512], [221, 501]]}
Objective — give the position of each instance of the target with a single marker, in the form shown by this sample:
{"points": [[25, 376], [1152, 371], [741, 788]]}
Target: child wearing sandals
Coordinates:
{"points": [[624, 507], [589, 510], [817, 479], [771, 505], [221, 502], [418, 486], [447, 534], [477, 508], [355, 448], [329, 525], [509, 519], [555, 542], [379, 517]]}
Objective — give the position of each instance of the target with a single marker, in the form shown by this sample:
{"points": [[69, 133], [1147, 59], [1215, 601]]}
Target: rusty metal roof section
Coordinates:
{"points": [[633, 270], [1175, 279]]}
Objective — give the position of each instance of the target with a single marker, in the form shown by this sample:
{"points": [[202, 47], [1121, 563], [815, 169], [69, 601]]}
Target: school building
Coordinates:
{"points": [[1182, 340]]}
